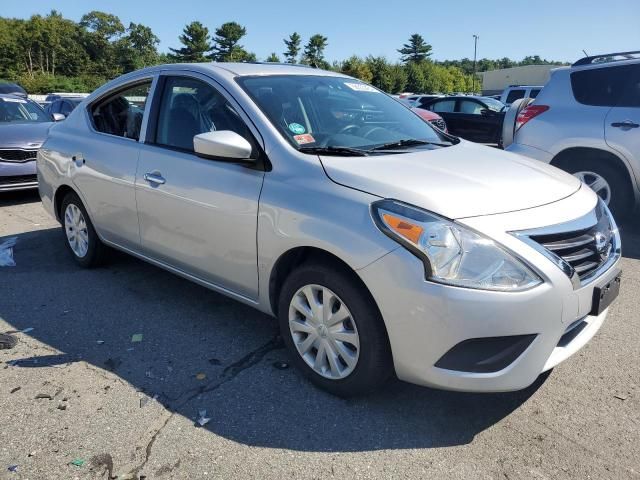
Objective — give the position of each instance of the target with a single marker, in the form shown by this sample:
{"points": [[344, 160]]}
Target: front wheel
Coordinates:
{"points": [[333, 330]]}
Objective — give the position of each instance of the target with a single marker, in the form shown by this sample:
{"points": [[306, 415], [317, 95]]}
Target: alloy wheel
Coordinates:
{"points": [[597, 183], [75, 227], [324, 332]]}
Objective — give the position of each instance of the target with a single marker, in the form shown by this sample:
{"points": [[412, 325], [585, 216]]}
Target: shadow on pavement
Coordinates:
{"points": [[630, 233], [91, 316], [19, 197]]}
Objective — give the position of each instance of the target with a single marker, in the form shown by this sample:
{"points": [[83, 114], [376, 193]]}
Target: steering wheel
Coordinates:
{"points": [[373, 129], [348, 128]]}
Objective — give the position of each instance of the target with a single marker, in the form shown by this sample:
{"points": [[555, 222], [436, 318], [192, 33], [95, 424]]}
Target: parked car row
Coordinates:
{"points": [[382, 244]]}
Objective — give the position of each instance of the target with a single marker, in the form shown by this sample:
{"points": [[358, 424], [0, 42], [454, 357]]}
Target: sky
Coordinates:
{"points": [[556, 30]]}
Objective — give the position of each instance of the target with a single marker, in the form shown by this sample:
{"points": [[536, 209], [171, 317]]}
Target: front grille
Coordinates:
{"points": [[17, 155], [439, 123], [584, 251], [17, 179]]}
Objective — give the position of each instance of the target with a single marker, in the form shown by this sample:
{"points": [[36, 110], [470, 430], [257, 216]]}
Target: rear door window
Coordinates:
{"points": [[631, 94], [121, 114]]}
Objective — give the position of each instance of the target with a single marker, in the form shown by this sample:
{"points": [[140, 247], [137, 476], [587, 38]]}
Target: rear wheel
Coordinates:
{"points": [[333, 330], [608, 182], [83, 242]]}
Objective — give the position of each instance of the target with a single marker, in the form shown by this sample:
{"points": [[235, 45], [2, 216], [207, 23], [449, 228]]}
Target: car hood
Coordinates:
{"points": [[464, 180], [23, 135]]}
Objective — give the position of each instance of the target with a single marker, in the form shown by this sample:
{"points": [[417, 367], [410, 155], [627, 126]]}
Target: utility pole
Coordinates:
{"points": [[475, 52]]}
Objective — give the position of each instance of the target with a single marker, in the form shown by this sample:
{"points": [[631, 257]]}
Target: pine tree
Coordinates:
{"points": [[416, 50], [273, 58], [314, 51], [196, 41], [226, 47], [293, 47]]}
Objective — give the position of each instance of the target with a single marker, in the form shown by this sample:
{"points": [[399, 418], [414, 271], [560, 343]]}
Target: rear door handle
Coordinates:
{"points": [[625, 124], [155, 178]]}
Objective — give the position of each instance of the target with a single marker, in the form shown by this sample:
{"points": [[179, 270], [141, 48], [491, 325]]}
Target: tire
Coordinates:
{"points": [[621, 200], [95, 252], [373, 364]]}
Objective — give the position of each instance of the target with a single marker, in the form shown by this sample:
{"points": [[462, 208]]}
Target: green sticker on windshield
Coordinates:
{"points": [[297, 128]]}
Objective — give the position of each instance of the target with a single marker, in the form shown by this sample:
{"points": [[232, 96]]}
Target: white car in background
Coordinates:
{"points": [[516, 92], [586, 121]]}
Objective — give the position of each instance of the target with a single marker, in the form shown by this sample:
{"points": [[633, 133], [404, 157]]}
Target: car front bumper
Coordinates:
{"points": [[425, 320], [18, 175]]}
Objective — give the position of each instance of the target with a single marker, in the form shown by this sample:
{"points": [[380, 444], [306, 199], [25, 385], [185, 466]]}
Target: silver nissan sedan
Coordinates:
{"points": [[383, 245]]}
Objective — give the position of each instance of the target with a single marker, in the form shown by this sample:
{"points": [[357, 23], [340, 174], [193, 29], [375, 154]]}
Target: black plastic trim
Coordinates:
{"points": [[485, 355]]}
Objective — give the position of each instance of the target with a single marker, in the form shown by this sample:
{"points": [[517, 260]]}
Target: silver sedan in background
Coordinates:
{"points": [[23, 128], [382, 244]]}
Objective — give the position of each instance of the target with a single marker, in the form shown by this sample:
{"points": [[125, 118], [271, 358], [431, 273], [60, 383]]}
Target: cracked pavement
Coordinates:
{"points": [[128, 409]]}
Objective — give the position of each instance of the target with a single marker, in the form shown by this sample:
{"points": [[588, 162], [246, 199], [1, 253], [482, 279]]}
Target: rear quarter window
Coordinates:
{"points": [[603, 87]]}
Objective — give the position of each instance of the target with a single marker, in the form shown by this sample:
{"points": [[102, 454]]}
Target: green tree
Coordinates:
{"points": [[358, 68], [99, 32], [138, 48], [314, 51], [293, 47], [416, 50], [226, 44], [273, 58], [196, 41], [415, 78]]}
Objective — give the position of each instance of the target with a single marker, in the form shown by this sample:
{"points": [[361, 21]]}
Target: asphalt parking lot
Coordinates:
{"points": [[80, 399]]}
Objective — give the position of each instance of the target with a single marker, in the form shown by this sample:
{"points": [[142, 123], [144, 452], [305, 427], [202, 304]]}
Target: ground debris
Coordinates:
{"points": [[136, 338], [103, 460], [280, 365], [43, 396], [15, 389], [202, 419], [7, 341]]}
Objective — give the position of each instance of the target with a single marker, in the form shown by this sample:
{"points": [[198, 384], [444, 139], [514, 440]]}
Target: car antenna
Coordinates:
{"points": [[585, 53]]}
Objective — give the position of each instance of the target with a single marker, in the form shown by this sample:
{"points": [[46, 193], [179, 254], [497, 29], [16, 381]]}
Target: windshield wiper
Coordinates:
{"points": [[346, 151], [406, 142]]}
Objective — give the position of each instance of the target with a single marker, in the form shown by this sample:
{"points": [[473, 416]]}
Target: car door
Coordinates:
{"points": [[104, 162], [198, 215], [477, 122], [622, 123]]}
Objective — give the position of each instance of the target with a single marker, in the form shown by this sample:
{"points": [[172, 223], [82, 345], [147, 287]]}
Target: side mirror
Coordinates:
{"points": [[222, 144], [58, 117]]}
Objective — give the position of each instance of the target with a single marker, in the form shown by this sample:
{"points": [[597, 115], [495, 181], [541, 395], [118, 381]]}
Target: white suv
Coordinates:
{"points": [[586, 121]]}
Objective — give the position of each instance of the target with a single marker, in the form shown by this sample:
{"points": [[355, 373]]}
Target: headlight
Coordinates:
{"points": [[451, 253]]}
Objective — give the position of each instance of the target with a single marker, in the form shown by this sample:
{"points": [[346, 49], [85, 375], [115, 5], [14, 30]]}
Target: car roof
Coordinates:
{"points": [[245, 69], [13, 95]]}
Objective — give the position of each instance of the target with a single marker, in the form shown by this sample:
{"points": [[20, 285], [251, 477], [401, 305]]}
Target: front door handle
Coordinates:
{"points": [[154, 178], [625, 124]]}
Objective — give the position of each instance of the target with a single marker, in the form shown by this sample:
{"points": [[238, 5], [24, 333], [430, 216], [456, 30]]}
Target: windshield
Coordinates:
{"points": [[18, 110], [335, 112], [493, 104]]}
